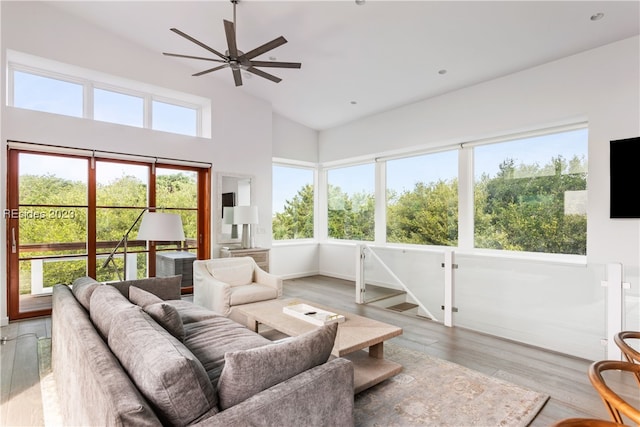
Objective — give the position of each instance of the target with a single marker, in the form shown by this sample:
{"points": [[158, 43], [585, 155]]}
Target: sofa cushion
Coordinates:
{"points": [[141, 297], [163, 369], [165, 288], [211, 337], [82, 288], [191, 313], [247, 372], [236, 275], [105, 303]]}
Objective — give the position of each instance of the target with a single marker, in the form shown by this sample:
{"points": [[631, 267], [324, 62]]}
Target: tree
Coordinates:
{"points": [[428, 215], [350, 217], [523, 208], [296, 221]]}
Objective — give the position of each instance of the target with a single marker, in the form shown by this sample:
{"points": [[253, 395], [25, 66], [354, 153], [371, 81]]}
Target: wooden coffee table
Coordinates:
{"points": [[354, 335]]}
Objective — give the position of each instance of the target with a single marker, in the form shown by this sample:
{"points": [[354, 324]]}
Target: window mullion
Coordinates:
{"points": [[148, 112], [87, 104]]}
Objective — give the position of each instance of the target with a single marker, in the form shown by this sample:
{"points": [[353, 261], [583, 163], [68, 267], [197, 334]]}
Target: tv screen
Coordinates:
{"points": [[624, 157], [228, 200]]}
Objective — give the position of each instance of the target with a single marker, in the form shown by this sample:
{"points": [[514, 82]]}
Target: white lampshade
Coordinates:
{"points": [[245, 215], [159, 226], [227, 213]]}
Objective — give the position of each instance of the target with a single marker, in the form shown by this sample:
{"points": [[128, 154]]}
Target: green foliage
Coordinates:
{"points": [[520, 209], [428, 215], [523, 208], [351, 217], [296, 222], [62, 221]]}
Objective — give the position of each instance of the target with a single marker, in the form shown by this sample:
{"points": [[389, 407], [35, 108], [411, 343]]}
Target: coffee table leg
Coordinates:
{"points": [[252, 324], [377, 351]]}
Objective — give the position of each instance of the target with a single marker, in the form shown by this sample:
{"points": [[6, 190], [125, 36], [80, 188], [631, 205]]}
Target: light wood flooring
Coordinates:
{"points": [[562, 377]]}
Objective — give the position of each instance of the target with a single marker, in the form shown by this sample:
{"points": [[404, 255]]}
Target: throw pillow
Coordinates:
{"points": [[167, 374], [167, 317], [82, 288], [165, 288], [247, 372], [141, 297]]}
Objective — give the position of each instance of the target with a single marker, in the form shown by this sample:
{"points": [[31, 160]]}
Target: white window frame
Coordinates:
{"points": [[90, 79], [313, 167]]}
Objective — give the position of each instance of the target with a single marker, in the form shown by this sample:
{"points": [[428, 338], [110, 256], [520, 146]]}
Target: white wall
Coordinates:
{"points": [[601, 85], [241, 125], [294, 141]]}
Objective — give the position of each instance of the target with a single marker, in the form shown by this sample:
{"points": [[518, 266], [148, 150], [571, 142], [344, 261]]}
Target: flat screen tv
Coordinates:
{"points": [[624, 170], [228, 200]]}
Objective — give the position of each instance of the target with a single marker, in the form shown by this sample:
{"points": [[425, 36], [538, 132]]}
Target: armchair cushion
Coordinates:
{"points": [[237, 275], [251, 293]]}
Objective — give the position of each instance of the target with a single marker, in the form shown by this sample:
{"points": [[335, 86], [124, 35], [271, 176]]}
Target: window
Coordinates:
{"points": [[293, 203], [115, 107], [174, 118], [67, 212], [35, 92], [530, 194], [351, 202], [40, 84], [422, 199]]}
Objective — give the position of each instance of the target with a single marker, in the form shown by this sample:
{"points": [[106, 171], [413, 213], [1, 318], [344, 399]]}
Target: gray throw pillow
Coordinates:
{"points": [[165, 288], [167, 316], [141, 297], [82, 288], [167, 374], [248, 372]]}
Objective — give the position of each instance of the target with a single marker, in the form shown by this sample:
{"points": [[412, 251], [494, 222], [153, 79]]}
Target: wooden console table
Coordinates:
{"points": [[260, 255]]}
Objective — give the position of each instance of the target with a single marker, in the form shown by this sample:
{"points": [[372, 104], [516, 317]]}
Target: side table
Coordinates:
{"points": [[174, 263], [260, 255]]}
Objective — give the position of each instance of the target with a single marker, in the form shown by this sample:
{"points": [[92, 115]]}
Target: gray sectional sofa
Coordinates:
{"points": [[135, 354]]}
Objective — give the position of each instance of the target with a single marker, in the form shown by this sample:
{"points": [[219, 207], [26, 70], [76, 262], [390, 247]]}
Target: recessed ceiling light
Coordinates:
{"points": [[354, 102], [598, 16], [272, 58], [360, 2], [442, 72]]}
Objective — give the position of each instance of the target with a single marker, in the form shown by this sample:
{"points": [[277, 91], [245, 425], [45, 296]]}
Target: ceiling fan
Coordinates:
{"points": [[236, 59]]}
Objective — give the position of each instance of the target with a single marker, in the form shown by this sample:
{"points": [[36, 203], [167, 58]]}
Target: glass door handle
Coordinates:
{"points": [[14, 246]]}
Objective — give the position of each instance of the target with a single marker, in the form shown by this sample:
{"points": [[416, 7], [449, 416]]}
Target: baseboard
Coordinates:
{"points": [[298, 275]]}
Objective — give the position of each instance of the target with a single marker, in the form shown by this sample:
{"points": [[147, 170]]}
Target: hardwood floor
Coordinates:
{"points": [[562, 377]]}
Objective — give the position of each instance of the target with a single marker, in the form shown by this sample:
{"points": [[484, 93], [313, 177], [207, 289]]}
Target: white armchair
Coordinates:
{"points": [[221, 284]]}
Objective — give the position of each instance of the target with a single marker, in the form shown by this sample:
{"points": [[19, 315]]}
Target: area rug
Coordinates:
{"points": [[428, 392], [435, 392], [50, 405]]}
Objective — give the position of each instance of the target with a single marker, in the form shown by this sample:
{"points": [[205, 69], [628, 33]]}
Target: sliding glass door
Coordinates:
{"points": [[67, 213]]}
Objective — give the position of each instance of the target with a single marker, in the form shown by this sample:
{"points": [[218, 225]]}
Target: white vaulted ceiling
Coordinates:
{"points": [[380, 55]]}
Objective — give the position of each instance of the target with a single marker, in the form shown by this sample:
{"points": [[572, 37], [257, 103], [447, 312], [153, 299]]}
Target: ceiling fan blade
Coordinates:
{"points": [[275, 64], [237, 78], [192, 57], [230, 32], [210, 70], [191, 39], [265, 47], [265, 75]]}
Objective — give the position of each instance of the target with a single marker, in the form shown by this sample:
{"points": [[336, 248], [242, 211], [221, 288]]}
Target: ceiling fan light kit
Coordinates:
{"points": [[235, 59]]}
